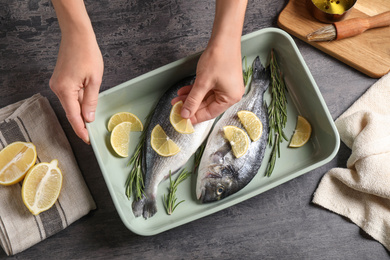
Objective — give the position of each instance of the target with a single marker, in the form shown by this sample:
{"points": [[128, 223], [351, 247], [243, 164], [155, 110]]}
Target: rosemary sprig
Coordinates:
{"points": [[170, 200], [272, 160], [198, 156], [135, 179], [246, 72], [277, 112]]}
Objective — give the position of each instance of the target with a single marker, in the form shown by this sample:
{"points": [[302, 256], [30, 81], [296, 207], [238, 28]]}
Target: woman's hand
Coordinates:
{"points": [[218, 85], [219, 81], [79, 70]]}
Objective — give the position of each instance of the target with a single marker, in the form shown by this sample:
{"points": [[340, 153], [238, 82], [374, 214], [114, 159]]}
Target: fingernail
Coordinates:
{"points": [[185, 113], [91, 116]]}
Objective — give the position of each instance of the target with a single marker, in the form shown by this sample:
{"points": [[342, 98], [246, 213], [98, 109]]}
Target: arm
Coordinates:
{"points": [[219, 82], [78, 73]]}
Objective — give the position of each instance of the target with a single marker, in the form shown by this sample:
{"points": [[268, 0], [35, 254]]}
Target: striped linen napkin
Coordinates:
{"points": [[33, 120]]}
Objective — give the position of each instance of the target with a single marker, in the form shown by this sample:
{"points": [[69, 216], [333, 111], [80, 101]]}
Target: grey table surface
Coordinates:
{"points": [[135, 37]]}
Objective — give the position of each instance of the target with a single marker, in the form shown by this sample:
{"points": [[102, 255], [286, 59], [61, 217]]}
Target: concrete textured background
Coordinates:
{"points": [[135, 37]]}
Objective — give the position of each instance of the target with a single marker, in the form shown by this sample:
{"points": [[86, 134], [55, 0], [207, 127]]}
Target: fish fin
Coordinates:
{"points": [[233, 171], [138, 206], [150, 208]]}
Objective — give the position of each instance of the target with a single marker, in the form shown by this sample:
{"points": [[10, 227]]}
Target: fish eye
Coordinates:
{"points": [[220, 189]]}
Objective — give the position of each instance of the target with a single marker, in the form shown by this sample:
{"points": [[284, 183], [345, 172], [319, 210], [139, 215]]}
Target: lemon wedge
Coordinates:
{"points": [[41, 187], [120, 138], [238, 139], [15, 161], [161, 143], [116, 119], [251, 123], [302, 133], [181, 125]]}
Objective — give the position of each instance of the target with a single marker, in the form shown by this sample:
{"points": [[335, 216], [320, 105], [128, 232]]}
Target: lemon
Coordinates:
{"points": [[15, 161], [116, 119], [120, 138], [41, 186], [181, 125], [251, 123], [162, 144], [302, 133], [238, 139]]}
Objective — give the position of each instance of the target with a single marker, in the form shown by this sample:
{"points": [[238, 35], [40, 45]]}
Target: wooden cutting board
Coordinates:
{"points": [[368, 52]]}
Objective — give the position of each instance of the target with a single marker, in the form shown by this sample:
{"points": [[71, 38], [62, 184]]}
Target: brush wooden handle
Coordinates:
{"points": [[355, 26]]}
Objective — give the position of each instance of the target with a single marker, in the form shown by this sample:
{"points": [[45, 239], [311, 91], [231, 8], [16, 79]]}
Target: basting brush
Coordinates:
{"points": [[349, 28]]}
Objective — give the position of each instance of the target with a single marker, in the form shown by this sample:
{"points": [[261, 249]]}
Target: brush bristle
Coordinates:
{"points": [[327, 33]]}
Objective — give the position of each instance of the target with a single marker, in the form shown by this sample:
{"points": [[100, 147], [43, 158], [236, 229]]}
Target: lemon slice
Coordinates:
{"points": [[120, 138], [238, 139], [251, 123], [41, 187], [302, 133], [116, 119], [182, 125], [15, 161], [162, 144]]}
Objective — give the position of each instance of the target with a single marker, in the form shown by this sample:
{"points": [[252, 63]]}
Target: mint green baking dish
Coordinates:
{"points": [[140, 94]]}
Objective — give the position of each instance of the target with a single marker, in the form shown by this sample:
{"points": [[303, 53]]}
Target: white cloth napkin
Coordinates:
{"points": [[361, 192], [33, 120]]}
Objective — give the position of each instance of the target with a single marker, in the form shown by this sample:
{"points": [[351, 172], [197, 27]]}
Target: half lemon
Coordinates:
{"points": [[181, 125], [41, 187], [15, 161], [302, 133], [120, 138], [238, 139], [161, 143], [251, 123], [116, 119]]}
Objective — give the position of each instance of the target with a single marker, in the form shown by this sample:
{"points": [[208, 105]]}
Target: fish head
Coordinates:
{"points": [[219, 181]]}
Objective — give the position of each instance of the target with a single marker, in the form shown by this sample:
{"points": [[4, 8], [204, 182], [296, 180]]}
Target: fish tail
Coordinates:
{"points": [[144, 207], [138, 206], [260, 73], [150, 208]]}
